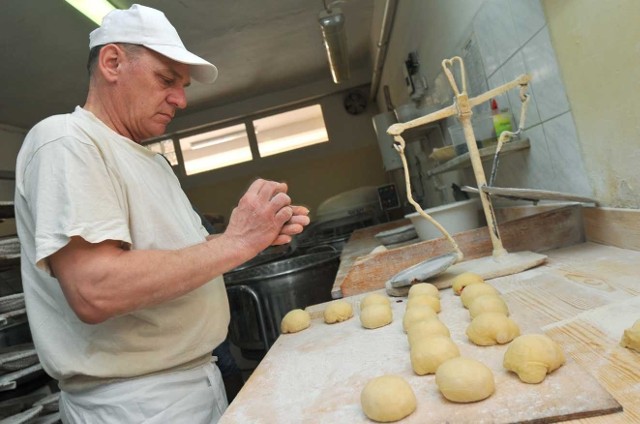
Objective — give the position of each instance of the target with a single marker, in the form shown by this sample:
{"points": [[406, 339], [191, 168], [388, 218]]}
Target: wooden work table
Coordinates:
{"points": [[583, 297]]}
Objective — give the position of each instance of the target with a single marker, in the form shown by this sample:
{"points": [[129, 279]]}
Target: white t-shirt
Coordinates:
{"points": [[77, 177]]}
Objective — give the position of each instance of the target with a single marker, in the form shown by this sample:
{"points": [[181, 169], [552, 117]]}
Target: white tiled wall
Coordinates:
{"points": [[513, 39]]}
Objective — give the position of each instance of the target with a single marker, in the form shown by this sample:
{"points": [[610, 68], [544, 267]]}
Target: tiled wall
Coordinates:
{"points": [[513, 39]]}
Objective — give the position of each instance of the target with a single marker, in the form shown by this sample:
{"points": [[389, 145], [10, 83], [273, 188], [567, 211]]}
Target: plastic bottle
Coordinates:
{"points": [[501, 119]]}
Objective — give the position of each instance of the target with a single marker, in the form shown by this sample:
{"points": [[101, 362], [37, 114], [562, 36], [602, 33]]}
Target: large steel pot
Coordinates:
{"points": [[280, 286]]}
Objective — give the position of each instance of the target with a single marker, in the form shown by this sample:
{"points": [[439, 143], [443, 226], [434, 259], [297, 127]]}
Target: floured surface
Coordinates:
{"points": [[316, 376]]}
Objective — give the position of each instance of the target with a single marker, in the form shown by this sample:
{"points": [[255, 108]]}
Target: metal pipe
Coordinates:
{"points": [[259, 312], [383, 42]]}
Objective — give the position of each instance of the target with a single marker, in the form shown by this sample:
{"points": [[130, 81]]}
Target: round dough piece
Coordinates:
{"points": [[338, 311], [416, 314], [428, 354], [492, 328], [465, 380], [374, 316], [465, 279], [470, 293], [387, 398], [423, 329], [424, 300], [423, 288], [488, 303], [374, 299], [631, 337], [294, 321], [532, 357]]}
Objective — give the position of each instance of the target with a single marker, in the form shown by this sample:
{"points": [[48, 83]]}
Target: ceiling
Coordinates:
{"points": [[259, 47]]}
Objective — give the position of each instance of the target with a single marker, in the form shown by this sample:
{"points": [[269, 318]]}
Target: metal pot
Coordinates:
{"points": [[279, 287]]}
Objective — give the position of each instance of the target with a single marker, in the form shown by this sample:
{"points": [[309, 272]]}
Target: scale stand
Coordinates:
{"points": [[442, 270]]}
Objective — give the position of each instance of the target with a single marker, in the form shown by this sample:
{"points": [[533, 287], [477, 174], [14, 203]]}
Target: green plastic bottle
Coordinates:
{"points": [[501, 119]]}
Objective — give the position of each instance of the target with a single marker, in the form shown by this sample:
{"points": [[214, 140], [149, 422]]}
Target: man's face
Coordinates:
{"points": [[150, 91]]}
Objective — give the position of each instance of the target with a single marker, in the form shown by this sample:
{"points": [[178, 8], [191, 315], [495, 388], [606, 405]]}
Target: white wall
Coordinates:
{"points": [[598, 50]]}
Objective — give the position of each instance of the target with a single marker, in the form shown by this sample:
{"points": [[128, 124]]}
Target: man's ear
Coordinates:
{"points": [[109, 61]]}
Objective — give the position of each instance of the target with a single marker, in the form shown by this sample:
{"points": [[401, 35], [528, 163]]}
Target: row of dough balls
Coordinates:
{"points": [[433, 351], [460, 379], [375, 311], [299, 319], [530, 356]]}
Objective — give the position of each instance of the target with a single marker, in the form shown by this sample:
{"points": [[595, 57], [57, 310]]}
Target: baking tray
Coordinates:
{"points": [[17, 357], [397, 235]]}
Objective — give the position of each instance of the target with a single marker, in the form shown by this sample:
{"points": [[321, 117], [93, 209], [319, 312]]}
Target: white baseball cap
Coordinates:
{"points": [[150, 28]]}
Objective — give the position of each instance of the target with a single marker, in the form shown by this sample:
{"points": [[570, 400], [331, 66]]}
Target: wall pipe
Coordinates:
{"points": [[383, 43]]}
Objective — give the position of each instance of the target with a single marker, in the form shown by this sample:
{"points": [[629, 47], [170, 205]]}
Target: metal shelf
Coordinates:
{"points": [[7, 175], [486, 153]]}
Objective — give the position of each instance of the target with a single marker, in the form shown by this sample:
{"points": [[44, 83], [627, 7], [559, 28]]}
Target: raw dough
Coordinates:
{"points": [[294, 321], [426, 328], [469, 293], [374, 299], [338, 311], [492, 328], [428, 354], [423, 288], [424, 300], [631, 337], [532, 357], [387, 398], [465, 380], [465, 279], [488, 303], [416, 314], [374, 316]]}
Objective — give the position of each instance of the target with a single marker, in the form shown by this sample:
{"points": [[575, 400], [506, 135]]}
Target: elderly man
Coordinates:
{"points": [[123, 286]]}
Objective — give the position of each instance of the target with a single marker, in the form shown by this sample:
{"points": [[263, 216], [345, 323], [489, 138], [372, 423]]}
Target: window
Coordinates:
{"points": [[215, 149], [166, 148], [290, 130], [235, 144]]}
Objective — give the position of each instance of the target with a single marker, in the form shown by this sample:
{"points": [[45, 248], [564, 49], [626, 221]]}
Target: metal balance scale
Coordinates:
{"points": [[447, 266]]}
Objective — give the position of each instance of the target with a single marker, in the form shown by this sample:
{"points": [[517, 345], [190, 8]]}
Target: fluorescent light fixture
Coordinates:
{"points": [[92, 9], [334, 37], [201, 144]]}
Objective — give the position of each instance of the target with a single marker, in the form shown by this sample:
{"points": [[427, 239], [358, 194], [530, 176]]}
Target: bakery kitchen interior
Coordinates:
{"points": [[512, 123]]}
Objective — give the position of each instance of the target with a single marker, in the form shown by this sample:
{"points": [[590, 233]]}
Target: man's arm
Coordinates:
{"points": [[103, 280]]}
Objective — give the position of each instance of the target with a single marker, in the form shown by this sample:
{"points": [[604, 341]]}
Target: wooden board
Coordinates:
{"points": [[316, 376], [614, 227], [487, 268], [549, 230]]}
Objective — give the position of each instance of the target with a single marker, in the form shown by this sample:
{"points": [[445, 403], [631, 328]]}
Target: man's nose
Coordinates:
{"points": [[178, 98]]}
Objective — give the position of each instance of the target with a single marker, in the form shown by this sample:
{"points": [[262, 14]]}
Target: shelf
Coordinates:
{"points": [[7, 175], [486, 153]]}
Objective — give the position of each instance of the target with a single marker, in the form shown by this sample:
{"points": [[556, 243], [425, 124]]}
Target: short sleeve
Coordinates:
{"points": [[71, 192]]}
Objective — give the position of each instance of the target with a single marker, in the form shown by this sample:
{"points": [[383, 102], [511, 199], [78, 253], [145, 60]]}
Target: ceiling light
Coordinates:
{"points": [[334, 37], [92, 9]]}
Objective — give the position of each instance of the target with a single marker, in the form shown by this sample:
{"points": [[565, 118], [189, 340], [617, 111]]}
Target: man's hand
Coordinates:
{"points": [[264, 216]]}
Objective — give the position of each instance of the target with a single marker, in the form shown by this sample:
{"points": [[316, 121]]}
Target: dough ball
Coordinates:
{"points": [[465, 279], [374, 316], [488, 303], [423, 288], [416, 314], [464, 380], [426, 328], [338, 311], [631, 337], [492, 328], [470, 293], [294, 321], [428, 354], [532, 357], [424, 300], [387, 398], [374, 299]]}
